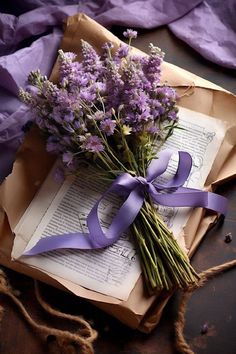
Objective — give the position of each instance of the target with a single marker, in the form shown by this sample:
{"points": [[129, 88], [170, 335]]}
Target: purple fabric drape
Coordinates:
{"points": [[30, 34], [210, 29]]}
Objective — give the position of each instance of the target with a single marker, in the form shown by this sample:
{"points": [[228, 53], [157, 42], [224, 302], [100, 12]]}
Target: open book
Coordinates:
{"points": [[62, 208]]}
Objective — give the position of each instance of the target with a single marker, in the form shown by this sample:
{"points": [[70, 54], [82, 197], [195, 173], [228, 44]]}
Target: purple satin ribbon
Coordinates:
{"points": [[171, 194]]}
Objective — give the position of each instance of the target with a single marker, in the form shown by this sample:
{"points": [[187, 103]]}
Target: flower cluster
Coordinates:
{"points": [[101, 99], [112, 110]]}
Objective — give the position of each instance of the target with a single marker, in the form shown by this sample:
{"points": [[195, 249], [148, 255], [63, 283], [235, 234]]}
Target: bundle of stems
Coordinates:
{"points": [[164, 264]]}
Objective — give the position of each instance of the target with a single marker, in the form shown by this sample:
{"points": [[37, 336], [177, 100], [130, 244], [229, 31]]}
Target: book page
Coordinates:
{"points": [[62, 209], [111, 271], [202, 137]]}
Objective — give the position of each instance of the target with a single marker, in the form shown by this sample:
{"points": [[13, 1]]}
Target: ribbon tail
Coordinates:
{"points": [[49, 243], [120, 223], [189, 197], [204, 199], [96, 238], [217, 203]]}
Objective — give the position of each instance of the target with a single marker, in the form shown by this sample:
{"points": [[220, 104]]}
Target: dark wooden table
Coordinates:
{"points": [[214, 305]]}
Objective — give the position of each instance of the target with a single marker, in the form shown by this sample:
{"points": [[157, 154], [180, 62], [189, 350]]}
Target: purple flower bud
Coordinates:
{"points": [[68, 56], [53, 147], [67, 158], [99, 115], [68, 128], [32, 90], [93, 144], [152, 129], [100, 86], [40, 122], [77, 124], [108, 126], [129, 33], [66, 140], [107, 46], [56, 111], [59, 175], [123, 51], [69, 116], [87, 95], [172, 115]]}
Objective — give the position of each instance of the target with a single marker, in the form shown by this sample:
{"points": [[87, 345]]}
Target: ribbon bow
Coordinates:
{"points": [[171, 194]]}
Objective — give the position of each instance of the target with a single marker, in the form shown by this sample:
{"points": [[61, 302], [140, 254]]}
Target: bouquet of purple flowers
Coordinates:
{"points": [[112, 111]]}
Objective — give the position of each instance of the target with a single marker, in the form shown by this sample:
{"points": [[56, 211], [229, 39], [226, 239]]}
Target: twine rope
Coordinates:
{"points": [[84, 337], [181, 344]]}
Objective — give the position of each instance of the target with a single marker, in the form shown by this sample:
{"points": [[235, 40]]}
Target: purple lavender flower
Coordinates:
{"points": [[152, 129], [40, 122], [99, 115], [52, 129], [50, 91], [32, 90], [91, 60], [172, 115], [56, 114], [69, 128], [168, 92], [66, 140], [62, 98], [68, 116], [129, 33], [151, 65], [138, 99], [107, 46], [100, 87], [69, 70], [108, 126], [87, 95], [81, 80], [91, 93], [110, 110], [67, 158], [123, 51], [93, 144], [59, 175], [53, 145], [70, 56], [77, 125]]}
